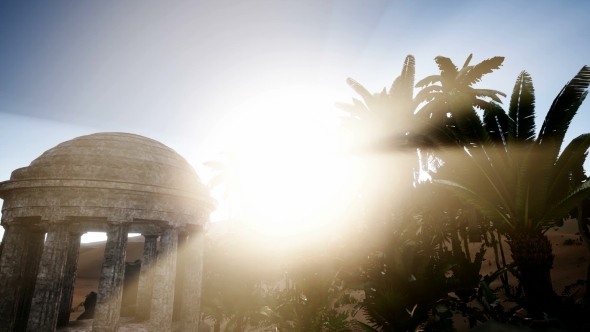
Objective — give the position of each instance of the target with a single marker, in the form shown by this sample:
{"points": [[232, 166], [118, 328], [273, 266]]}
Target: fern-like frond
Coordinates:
{"points": [[468, 60], [407, 79], [493, 94], [426, 94], [522, 110], [562, 208], [571, 159], [448, 70], [564, 107], [428, 80], [361, 91], [481, 69]]}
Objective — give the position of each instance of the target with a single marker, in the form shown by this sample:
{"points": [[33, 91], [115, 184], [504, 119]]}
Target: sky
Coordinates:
{"points": [[182, 72]]}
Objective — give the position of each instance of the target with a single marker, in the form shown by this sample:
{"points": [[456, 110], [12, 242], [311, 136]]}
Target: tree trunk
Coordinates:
{"points": [[533, 255]]}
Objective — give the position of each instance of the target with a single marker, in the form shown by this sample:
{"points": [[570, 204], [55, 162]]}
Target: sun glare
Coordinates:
{"points": [[291, 169]]}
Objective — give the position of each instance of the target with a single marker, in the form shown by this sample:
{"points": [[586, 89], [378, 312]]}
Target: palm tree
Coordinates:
{"points": [[378, 117], [382, 122], [452, 82], [520, 182]]}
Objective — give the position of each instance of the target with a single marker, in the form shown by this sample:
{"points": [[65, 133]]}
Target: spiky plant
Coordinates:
{"points": [[438, 90], [520, 182], [378, 117], [380, 123]]}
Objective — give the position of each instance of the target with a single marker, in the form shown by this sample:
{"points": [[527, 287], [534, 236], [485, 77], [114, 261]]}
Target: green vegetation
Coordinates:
{"points": [[445, 168]]}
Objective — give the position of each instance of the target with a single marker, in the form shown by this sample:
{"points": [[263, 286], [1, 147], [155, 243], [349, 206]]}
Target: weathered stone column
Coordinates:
{"points": [[146, 278], [191, 293], [110, 286], [11, 267], [47, 295], [163, 293], [180, 266], [34, 249], [67, 294]]}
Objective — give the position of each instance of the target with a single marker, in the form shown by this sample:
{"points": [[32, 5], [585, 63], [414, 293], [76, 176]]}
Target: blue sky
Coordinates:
{"points": [[176, 71]]}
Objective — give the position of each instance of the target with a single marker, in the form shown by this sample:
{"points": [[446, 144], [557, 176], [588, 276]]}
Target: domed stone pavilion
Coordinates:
{"points": [[107, 182]]}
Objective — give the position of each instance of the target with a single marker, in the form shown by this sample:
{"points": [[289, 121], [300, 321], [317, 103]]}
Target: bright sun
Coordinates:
{"points": [[293, 174]]}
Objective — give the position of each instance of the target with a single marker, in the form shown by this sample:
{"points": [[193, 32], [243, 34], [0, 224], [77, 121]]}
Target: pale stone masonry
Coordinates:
{"points": [[108, 182], [47, 294], [164, 280], [67, 293], [146, 278], [110, 286], [191, 301], [11, 268], [180, 265], [35, 243]]}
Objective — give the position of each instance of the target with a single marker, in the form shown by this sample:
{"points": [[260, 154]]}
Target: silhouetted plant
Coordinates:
{"points": [[519, 182], [451, 82], [234, 270], [315, 301]]}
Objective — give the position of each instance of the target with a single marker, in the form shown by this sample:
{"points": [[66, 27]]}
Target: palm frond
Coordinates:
{"points": [[405, 88], [496, 123], [565, 106], [448, 70], [543, 155], [562, 208], [486, 207], [361, 105], [488, 160], [571, 159], [425, 95], [483, 68], [428, 80], [522, 110], [468, 60], [493, 94], [361, 91]]}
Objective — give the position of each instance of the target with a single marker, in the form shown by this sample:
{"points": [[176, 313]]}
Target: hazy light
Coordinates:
{"points": [[292, 174], [99, 236]]}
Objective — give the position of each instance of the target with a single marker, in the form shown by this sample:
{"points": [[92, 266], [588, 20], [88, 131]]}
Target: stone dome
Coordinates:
{"points": [[117, 157], [104, 169]]}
